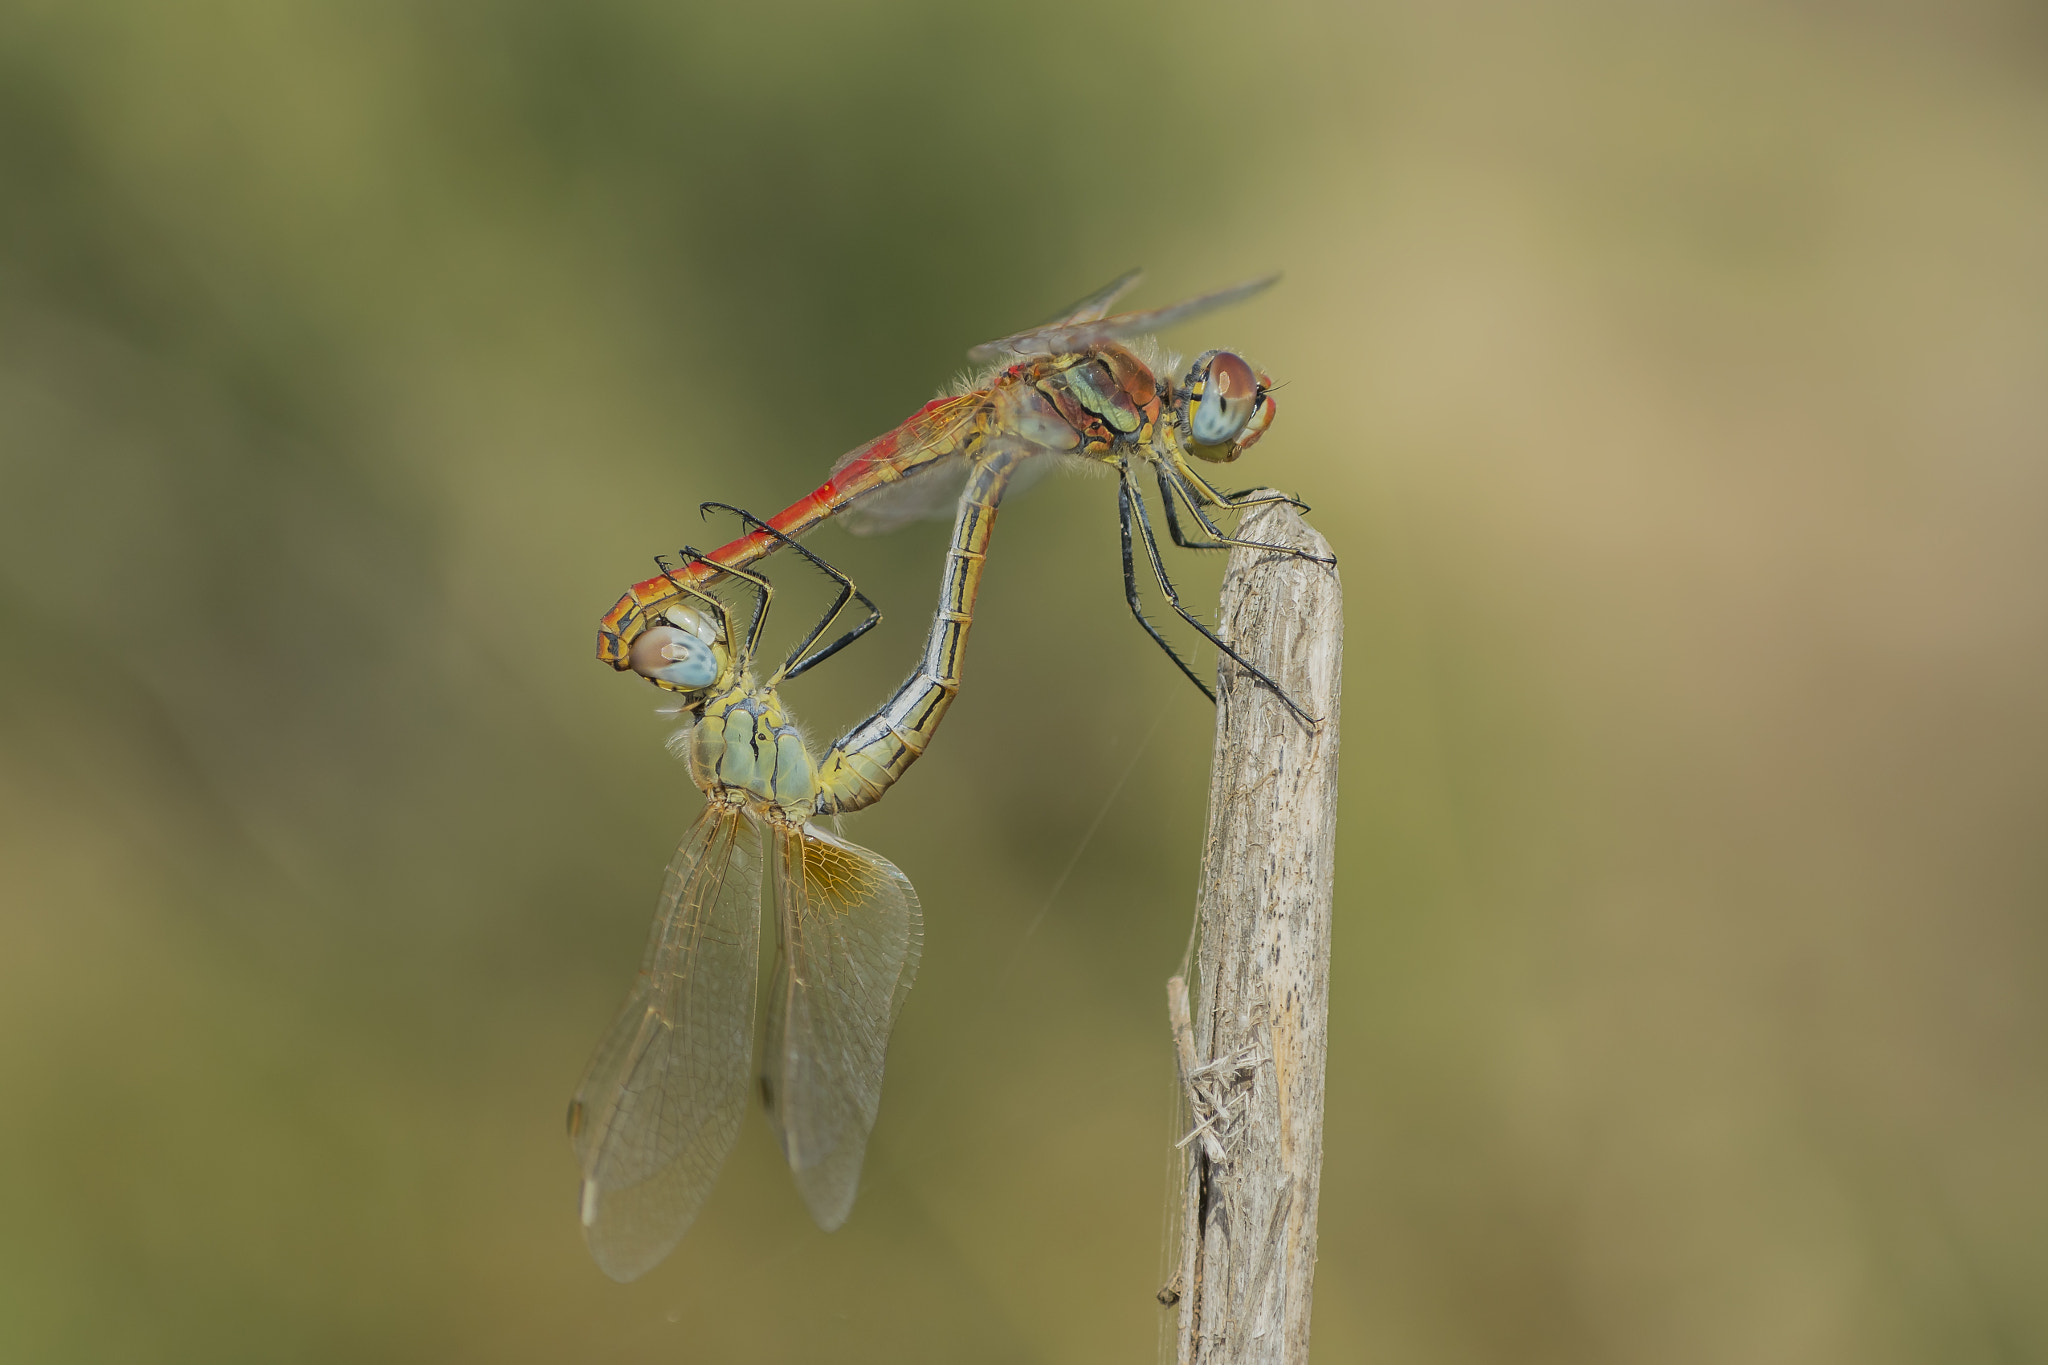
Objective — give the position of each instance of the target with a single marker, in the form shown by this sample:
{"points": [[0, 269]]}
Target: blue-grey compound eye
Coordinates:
{"points": [[675, 657], [1230, 391]]}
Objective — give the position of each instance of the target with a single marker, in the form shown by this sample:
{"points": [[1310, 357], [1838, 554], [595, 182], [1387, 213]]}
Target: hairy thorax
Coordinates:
{"points": [[746, 744]]}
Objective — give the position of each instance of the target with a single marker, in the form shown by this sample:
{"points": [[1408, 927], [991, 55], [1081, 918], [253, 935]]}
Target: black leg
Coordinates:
{"points": [[1209, 493], [1173, 599], [1173, 527], [795, 666], [1123, 511], [1171, 483], [764, 593], [797, 662], [1243, 498]]}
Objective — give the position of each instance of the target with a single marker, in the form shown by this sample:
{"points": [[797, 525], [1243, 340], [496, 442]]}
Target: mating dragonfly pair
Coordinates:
{"points": [[661, 1102]]}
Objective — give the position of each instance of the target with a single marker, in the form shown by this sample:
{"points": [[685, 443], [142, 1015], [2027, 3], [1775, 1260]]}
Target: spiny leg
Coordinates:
{"points": [[723, 612], [796, 663], [1173, 527], [1243, 497], [1173, 490], [764, 593], [1123, 512], [1173, 482], [1173, 599], [1206, 493]]}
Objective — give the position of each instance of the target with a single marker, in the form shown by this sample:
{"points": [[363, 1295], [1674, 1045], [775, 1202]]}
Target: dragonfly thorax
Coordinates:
{"points": [[745, 743], [1105, 396]]}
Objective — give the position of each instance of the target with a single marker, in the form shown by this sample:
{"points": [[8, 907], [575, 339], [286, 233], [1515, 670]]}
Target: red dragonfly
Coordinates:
{"points": [[1066, 389]]}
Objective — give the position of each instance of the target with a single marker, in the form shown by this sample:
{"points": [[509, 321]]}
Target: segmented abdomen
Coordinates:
{"points": [[869, 758]]}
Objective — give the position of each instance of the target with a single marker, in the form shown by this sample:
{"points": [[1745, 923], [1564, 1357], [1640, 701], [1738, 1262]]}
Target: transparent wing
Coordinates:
{"points": [[905, 473], [1085, 332], [937, 496], [929, 496], [1096, 304], [662, 1100], [934, 495], [927, 429], [850, 935]]}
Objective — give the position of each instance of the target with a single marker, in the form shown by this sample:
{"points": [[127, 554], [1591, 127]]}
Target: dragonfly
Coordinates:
{"points": [[1068, 389], [660, 1104]]}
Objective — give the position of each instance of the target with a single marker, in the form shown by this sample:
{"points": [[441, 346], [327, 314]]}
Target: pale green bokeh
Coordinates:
{"points": [[1669, 378]]}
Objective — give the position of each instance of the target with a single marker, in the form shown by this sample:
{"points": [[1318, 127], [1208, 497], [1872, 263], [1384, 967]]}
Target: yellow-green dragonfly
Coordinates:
{"points": [[1067, 389], [661, 1101]]}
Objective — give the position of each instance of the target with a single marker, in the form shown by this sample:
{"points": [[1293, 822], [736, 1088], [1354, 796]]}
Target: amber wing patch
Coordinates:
{"points": [[835, 879]]}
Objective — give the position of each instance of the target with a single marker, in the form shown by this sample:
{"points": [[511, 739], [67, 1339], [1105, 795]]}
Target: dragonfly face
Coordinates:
{"points": [[1224, 406], [684, 652]]}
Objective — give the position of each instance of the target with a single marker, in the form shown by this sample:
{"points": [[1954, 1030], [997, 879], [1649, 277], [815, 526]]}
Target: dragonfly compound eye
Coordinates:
{"points": [[674, 657], [1222, 394], [701, 624]]}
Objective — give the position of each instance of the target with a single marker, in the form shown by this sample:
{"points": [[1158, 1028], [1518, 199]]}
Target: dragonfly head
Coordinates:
{"points": [[1224, 406], [683, 651]]}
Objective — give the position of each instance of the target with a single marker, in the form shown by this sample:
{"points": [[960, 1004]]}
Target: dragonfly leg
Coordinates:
{"points": [[798, 662], [1123, 512], [691, 554], [1173, 526], [1174, 486], [1210, 494], [1173, 599], [764, 593], [1243, 497]]}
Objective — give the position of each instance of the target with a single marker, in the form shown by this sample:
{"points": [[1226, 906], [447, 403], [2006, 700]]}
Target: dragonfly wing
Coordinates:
{"points": [[1096, 304], [928, 497], [662, 1100], [929, 428], [935, 496], [906, 472], [1083, 333], [850, 936], [1088, 309]]}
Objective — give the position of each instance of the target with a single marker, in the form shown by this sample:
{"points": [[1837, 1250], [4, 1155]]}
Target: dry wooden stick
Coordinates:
{"points": [[1251, 1054]]}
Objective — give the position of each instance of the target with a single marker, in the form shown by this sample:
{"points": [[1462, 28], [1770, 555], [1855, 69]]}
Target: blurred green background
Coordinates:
{"points": [[1669, 377]]}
